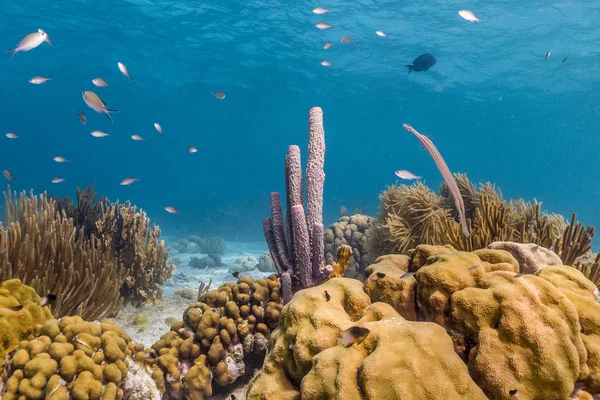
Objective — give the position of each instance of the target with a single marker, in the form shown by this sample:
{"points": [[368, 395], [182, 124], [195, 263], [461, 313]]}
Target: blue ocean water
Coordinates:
{"points": [[494, 107]]}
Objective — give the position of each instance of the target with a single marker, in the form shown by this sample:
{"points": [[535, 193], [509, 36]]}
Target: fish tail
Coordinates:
{"points": [[13, 51], [410, 68], [108, 116], [111, 110]]}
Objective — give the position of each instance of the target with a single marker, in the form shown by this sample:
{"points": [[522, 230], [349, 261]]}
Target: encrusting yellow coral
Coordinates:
{"points": [[343, 259]]}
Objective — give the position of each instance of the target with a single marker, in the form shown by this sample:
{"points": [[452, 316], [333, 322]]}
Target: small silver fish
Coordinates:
{"points": [[404, 174], [325, 63], [57, 180], [327, 45], [407, 275], [380, 33], [548, 55], [82, 117], [323, 25], [137, 137], [128, 181], [219, 95], [99, 134], [60, 159], [469, 16], [584, 261], [11, 135], [8, 175], [320, 10], [158, 127], [38, 80], [100, 82], [172, 210], [473, 268], [353, 335], [30, 42], [94, 102], [123, 70], [376, 276], [192, 149]]}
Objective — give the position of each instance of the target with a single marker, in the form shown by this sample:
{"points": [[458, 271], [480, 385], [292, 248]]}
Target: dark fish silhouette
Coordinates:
{"points": [[422, 63], [236, 275], [15, 308], [49, 298], [327, 296]]}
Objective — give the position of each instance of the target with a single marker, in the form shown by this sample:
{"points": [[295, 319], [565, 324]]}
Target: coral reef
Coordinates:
{"points": [[441, 324], [209, 261], [222, 338], [414, 215], [265, 263], [20, 315], [45, 250], [398, 359], [74, 359], [298, 249], [351, 231], [243, 264], [126, 234], [86, 212], [196, 244]]}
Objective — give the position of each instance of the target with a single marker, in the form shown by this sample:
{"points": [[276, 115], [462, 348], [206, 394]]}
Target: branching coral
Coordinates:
{"points": [[126, 234], [44, 249], [413, 215]]}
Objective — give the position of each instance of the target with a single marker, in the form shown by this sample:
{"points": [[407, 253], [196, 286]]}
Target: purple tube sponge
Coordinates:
{"points": [[297, 244]]}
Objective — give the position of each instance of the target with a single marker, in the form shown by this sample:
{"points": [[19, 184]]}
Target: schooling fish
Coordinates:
{"points": [[30, 42], [100, 82], [327, 45], [346, 39], [82, 117], [158, 127], [381, 33], [320, 10], [422, 63], [11, 135], [404, 174], [57, 180], [172, 210], [137, 137], [123, 70], [219, 95], [8, 175], [60, 159], [128, 181], [323, 25], [38, 80], [547, 55], [192, 149], [469, 16], [356, 334], [99, 134], [94, 102], [325, 63]]}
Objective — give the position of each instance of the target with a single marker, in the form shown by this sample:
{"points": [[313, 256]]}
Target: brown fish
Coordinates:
{"points": [[82, 117], [327, 296], [94, 102], [219, 95], [172, 210], [346, 39], [8, 176], [11, 135], [353, 335], [128, 181]]}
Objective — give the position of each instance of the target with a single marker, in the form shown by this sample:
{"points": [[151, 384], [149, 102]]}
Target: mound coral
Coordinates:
{"points": [[413, 215], [351, 231], [442, 324], [221, 338], [306, 361], [74, 359], [297, 250], [19, 323]]}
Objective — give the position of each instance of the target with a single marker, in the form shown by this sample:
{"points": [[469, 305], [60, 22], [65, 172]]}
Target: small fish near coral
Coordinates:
{"points": [[422, 63], [355, 334], [403, 174]]}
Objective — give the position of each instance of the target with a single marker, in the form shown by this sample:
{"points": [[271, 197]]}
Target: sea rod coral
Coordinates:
{"points": [[297, 245]]}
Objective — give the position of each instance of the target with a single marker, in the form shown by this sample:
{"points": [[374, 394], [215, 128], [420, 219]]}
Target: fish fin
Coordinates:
{"points": [[13, 51], [109, 117], [111, 110], [410, 68]]}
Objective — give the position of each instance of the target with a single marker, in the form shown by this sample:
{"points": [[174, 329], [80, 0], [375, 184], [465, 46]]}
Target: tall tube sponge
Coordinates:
{"points": [[296, 245]]}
